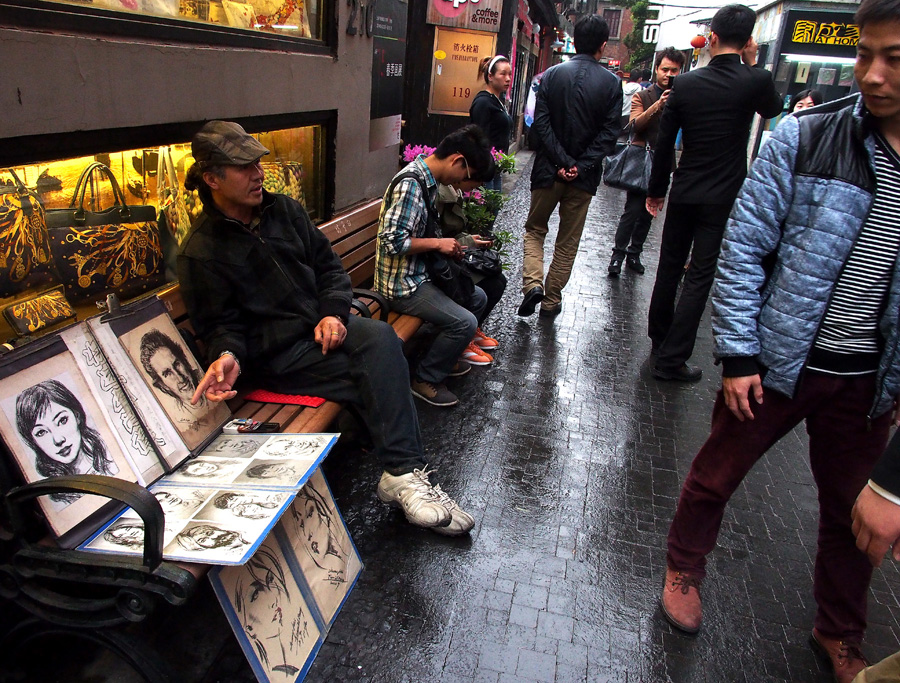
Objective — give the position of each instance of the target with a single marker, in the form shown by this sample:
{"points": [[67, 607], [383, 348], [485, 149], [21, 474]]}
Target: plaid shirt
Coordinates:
{"points": [[404, 215]]}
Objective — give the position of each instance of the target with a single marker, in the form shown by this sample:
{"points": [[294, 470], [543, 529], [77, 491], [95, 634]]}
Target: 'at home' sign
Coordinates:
{"points": [[477, 15]]}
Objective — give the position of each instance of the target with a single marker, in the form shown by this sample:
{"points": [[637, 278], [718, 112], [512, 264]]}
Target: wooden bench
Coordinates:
{"points": [[83, 594]]}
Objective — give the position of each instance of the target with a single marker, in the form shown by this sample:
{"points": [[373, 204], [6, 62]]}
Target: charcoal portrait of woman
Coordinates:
{"points": [[53, 424]]}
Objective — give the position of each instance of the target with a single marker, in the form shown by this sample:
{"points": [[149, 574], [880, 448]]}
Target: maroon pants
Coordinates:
{"points": [[843, 447]]}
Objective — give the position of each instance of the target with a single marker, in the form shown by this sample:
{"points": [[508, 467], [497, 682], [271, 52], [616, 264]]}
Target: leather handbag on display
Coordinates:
{"points": [[172, 207], [99, 252], [36, 312], [25, 259], [629, 169]]}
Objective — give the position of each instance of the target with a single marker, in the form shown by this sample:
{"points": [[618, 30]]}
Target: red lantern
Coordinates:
{"points": [[698, 42]]}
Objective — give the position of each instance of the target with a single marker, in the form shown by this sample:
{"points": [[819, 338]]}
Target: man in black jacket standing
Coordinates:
{"points": [[576, 118], [714, 107]]}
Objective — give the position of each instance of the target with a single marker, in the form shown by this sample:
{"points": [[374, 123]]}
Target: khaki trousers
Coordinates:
{"points": [[885, 671], [573, 206]]}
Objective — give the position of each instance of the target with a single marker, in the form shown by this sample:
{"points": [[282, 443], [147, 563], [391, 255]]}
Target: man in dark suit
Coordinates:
{"points": [[714, 107]]}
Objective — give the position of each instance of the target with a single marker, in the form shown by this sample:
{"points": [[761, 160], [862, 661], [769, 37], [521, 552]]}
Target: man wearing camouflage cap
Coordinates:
{"points": [[267, 294]]}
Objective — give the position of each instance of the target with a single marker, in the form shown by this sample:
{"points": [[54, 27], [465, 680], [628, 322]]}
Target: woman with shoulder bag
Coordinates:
{"points": [[488, 111]]}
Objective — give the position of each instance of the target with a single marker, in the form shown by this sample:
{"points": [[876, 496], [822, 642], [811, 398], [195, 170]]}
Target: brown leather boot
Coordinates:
{"points": [[681, 601], [845, 658]]}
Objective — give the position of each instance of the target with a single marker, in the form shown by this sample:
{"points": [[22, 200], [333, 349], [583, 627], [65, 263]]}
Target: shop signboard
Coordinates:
{"points": [[477, 15], [388, 65], [824, 34], [454, 69]]}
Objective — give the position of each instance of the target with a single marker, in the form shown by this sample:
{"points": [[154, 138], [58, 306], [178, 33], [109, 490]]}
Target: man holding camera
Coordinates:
{"points": [[646, 112]]}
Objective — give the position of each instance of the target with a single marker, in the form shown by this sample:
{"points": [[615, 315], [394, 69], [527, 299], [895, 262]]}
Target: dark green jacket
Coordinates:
{"points": [[258, 296]]}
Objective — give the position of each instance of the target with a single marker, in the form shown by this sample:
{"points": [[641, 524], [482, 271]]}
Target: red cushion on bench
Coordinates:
{"points": [[264, 396]]}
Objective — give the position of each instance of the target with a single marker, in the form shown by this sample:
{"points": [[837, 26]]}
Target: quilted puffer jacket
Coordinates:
{"points": [[805, 201]]}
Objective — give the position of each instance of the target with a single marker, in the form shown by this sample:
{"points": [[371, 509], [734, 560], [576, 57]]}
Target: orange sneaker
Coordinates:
{"points": [[475, 356], [482, 341]]}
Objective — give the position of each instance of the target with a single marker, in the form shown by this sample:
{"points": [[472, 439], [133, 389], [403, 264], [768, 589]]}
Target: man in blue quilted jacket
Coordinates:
{"points": [[806, 319]]}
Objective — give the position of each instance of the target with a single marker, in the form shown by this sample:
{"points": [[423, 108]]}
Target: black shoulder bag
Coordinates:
{"points": [[445, 273]]}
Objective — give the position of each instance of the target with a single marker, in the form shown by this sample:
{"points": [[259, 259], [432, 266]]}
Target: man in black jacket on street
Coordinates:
{"points": [[266, 292], [714, 107], [576, 119]]}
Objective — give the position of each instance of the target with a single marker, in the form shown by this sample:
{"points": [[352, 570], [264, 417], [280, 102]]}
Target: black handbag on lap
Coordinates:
{"points": [[99, 252]]}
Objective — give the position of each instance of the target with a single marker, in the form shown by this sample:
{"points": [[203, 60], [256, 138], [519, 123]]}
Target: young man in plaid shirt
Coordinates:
{"points": [[462, 159]]}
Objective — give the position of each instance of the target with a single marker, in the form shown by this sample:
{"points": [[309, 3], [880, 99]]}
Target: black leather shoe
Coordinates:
{"points": [[551, 312], [533, 297], [634, 263], [615, 266], [685, 373]]}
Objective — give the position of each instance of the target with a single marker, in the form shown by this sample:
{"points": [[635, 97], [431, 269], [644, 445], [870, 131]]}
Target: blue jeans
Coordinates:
{"points": [[495, 183], [368, 371], [455, 327]]}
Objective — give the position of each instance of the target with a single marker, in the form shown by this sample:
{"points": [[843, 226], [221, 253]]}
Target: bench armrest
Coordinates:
{"points": [[134, 495], [383, 307]]}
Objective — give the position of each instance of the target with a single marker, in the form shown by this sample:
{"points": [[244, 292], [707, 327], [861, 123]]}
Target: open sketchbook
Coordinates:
{"points": [[282, 601], [222, 504]]}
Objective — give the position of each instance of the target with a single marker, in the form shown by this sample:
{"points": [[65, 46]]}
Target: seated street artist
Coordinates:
{"points": [[266, 293], [463, 160]]}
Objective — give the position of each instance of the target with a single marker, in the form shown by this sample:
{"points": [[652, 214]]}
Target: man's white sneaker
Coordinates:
{"points": [[461, 522], [414, 494]]}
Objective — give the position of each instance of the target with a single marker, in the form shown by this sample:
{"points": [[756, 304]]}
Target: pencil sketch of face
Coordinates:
{"points": [[208, 469], [52, 422], [166, 363], [321, 533], [206, 537], [128, 533], [249, 505], [180, 503], [270, 473], [236, 447], [272, 613], [299, 447]]}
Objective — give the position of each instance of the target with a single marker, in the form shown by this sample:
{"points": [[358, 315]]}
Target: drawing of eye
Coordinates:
{"points": [[314, 546]]}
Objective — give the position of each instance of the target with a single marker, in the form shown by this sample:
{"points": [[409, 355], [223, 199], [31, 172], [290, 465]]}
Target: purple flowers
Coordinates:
{"points": [[410, 153]]}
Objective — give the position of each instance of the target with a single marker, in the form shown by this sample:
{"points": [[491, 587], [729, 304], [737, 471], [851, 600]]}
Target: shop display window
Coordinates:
{"points": [[62, 224], [298, 18]]}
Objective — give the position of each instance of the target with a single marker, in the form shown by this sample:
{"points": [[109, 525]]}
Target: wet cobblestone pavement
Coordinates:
{"points": [[571, 456]]}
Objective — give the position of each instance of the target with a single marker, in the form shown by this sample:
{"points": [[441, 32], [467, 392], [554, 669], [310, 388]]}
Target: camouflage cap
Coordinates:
{"points": [[224, 142]]}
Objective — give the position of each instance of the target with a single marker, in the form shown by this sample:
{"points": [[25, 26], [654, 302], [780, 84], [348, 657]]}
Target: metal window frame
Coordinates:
{"points": [[46, 15]]}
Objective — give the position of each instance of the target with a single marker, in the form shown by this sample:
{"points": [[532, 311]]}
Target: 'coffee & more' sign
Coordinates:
{"points": [[476, 15]]}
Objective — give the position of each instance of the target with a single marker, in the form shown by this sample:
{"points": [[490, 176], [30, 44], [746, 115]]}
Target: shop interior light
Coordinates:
{"points": [[818, 59]]}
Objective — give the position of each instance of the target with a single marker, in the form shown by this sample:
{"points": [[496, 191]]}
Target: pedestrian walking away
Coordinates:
{"points": [[713, 107], [806, 324], [576, 117]]}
